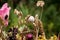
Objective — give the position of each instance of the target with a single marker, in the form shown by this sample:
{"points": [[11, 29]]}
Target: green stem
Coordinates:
{"points": [[40, 19], [41, 13]]}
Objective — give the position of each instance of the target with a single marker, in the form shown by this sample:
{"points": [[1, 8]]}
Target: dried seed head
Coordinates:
{"points": [[15, 26], [0, 30], [40, 24], [36, 20], [0, 38], [17, 36], [19, 13], [26, 18], [4, 33], [40, 3], [36, 16], [10, 33], [16, 11], [31, 19]]}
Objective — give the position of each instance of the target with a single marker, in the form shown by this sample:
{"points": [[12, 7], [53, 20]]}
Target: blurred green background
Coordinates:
{"points": [[50, 17]]}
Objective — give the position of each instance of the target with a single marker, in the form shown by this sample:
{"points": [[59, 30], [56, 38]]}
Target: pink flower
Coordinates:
{"points": [[4, 13], [29, 36]]}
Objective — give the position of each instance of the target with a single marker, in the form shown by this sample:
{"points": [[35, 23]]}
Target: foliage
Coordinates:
{"points": [[51, 17]]}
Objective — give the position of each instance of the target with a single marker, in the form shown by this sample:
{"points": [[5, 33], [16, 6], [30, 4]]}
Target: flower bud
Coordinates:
{"points": [[31, 19]]}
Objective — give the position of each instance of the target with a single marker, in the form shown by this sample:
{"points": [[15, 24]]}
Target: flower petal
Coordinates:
{"points": [[4, 6]]}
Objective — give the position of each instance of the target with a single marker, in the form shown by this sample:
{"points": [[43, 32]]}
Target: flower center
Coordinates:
{"points": [[6, 17]]}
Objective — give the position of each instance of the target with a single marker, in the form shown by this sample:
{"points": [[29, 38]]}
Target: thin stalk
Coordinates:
{"points": [[37, 30], [41, 24], [41, 13], [1, 34]]}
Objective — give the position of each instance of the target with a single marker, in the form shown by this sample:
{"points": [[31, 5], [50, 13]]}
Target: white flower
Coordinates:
{"points": [[31, 19], [40, 3]]}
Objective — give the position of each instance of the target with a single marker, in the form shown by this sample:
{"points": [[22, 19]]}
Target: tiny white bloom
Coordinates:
{"points": [[31, 19]]}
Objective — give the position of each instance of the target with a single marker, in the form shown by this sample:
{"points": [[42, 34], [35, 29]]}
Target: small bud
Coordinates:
{"points": [[31, 19]]}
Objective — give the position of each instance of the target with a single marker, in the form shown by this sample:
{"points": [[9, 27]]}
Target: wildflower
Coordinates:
{"points": [[29, 36], [4, 13], [40, 3]]}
